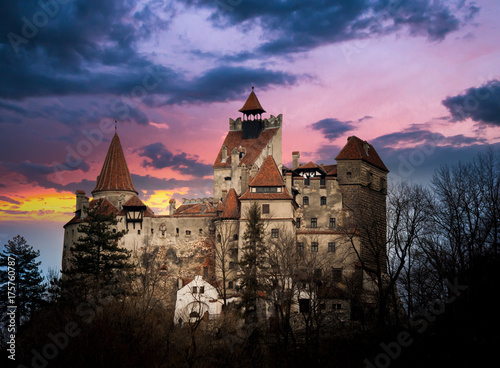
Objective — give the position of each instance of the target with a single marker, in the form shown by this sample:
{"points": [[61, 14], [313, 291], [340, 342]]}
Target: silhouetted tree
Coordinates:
{"points": [[21, 280], [97, 261]]}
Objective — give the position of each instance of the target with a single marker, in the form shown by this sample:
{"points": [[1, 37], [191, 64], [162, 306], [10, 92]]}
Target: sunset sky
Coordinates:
{"points": [[418, 79]]}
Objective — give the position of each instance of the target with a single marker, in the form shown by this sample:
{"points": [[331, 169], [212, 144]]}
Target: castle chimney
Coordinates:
{"points": [[80, 199], [295, 157], [171, 208], [224, 153], [245, 178]]}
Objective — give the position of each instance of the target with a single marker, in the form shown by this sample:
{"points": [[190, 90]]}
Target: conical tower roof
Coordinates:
{"points": [[252, 106], [231, 206], [114, 174]]}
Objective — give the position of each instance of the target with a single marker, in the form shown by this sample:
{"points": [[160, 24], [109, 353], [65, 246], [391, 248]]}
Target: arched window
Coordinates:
{"points": [[323, 201]]}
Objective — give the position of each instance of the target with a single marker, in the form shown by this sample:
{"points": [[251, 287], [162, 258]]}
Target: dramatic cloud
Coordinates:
{"points": [[416, 135], [481, 104], [9, 200], [160, 157], [332, 128], [296, 25]]}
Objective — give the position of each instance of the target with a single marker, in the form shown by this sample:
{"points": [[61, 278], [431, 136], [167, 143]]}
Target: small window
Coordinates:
{"points": [[275, 233], [152, 231], [314, 222], [235, 237], [177, 231], [332, 223], [348, 173], [219, 238], [304, 305], [114, 231], [188, 232], [314, 246], [230, 285], [202, 289], [194, 289], [337, 274], [231, 265], [227, 178], [201, 231], [322, 181], [138, 232], [305, 201], [307, 181], [265, 209], [336, 306], [297, 223], [323, 201], [331, 247], [300, 247]]}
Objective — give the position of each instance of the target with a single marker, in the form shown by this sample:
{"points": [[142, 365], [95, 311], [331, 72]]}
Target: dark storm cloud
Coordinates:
{"points": [[425, 151], [159, 157], [9, 200], [40, 173], [62, 48], [416, 134], [228, 83], [297, 25], [481, 104], [332, 128]]}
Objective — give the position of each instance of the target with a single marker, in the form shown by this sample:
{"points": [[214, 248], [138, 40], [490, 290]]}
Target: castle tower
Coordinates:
{"points": [[249, 141], [362, 177], [114, 182]]}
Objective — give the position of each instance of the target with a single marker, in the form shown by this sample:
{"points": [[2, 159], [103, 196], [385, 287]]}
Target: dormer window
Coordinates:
{"points": [[268, 189]]}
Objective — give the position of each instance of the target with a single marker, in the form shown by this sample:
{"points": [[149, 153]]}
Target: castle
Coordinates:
{"points": [[315, 203]]}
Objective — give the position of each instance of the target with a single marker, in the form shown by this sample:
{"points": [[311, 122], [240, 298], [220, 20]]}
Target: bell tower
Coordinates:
{"points": [[252, 117]]}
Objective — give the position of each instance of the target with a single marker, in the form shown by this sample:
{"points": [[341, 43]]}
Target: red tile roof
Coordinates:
{"points": [[134, 201], [330, 169], [254, 147], [268, 175], [231, 206], [192, 209], [309, 165], [355, 150], [252, 105], [114, 174], [105, 208]]}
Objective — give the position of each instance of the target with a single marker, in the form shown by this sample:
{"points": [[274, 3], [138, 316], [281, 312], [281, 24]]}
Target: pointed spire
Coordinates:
{"points": [[114, 174], [252, 106]]}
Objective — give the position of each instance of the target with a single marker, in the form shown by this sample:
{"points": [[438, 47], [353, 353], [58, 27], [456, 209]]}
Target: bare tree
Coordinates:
{"points": [[466, 214], [225, 251]]}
